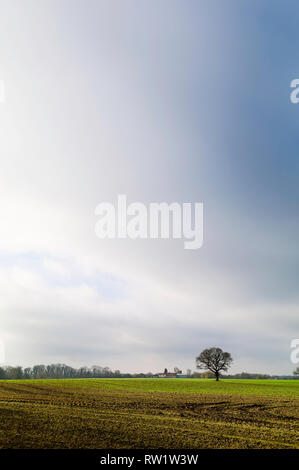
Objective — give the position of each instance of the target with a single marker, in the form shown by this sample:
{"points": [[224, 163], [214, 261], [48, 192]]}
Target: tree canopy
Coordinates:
{"points": [[215, 360]]}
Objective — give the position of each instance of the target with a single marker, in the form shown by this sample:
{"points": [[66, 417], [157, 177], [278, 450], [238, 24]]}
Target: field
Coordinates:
{"points": [[149, 413]]}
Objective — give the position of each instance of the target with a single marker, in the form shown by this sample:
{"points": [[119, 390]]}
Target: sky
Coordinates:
{"points": [[173, 101]]}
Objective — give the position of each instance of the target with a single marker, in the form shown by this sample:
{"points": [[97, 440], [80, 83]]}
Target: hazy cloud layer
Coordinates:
{"points": [[162, 101]]}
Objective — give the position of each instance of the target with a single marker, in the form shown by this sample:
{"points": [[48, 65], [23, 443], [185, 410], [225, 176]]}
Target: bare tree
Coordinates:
{"points": [[296, 371], [215, 360]]}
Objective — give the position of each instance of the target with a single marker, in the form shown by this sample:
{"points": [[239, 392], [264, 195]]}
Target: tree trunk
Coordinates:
{"points": [[217, 376]]}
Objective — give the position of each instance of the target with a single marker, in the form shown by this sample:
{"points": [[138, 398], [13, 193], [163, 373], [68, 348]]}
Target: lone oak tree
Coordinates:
{"points": [[215, 360]]}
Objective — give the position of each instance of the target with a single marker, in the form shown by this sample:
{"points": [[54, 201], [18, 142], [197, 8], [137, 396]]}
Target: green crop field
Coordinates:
{"points": [[149, 413]]}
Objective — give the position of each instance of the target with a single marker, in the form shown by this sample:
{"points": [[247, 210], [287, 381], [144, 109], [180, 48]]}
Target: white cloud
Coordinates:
{"points": [[99, 107]]}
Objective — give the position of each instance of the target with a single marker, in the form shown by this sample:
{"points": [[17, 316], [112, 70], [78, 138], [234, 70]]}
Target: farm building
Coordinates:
{"points": [[176, 374], [168, 375]]}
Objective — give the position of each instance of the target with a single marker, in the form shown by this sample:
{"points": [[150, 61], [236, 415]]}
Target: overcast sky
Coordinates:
{"points": [[185, 101]]}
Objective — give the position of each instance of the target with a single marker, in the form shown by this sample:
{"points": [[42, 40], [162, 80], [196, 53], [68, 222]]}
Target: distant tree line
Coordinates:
{"points": [[247, 375], [242, 375], [62, 371]]}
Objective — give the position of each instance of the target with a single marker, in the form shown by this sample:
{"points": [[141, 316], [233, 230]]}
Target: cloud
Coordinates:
{"points": [[148, 101]]}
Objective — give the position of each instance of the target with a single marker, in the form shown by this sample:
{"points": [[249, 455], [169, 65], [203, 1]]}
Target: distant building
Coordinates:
{"points": [[168, 375], [176, 374]]}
